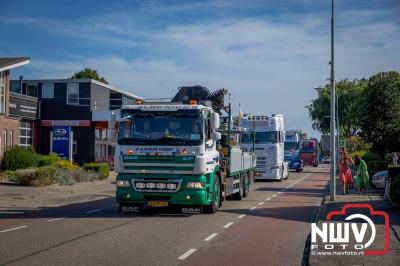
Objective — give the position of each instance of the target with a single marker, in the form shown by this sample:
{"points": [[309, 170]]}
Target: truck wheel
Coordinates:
{"points": [[246, 185], [216, 197]]}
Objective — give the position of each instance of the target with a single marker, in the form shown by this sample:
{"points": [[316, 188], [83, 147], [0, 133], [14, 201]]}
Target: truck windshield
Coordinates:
{"points": [[291, 146], [166, 128], [261, 137], [307, 150]]}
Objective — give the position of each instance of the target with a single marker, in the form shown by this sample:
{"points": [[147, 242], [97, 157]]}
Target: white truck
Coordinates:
{"points": [[268, 135], [177, 154]]}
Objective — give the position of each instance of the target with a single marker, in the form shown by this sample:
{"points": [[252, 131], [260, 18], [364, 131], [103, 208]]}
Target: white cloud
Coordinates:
{"points": [[269, 66]]}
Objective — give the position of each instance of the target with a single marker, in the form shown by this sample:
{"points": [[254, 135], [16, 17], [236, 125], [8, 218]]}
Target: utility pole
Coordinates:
{"points": [[333, 113]]}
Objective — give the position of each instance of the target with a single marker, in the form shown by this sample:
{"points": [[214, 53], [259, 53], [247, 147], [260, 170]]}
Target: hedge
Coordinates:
{"points": [[19, 158], [367, 156], [394, 176], [101, 168], [50, 159]]}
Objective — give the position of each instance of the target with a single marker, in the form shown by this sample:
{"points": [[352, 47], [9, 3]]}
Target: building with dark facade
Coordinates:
{"points": [[83, 105], [18, 112]]}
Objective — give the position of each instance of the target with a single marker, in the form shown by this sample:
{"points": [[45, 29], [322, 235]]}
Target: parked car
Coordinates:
{"points": [[326, 159], [379, 179]]}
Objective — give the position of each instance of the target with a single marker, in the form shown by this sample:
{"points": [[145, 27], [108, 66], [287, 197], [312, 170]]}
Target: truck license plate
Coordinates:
{"points": [[156, 203]]}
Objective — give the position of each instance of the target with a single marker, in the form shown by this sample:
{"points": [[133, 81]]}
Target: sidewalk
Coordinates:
{"points": [[375, 199], [16, 198]]}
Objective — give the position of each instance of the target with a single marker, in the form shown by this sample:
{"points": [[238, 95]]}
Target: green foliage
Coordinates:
{"points": [[367, 156], [8, 175], [351, 95], [102, 169], [356, 143], [25, 176], [394, 176], [70, 177], [376, 166], [89, 73], [44, 176], [50, 159], [19, 158], [65, 164], [380, 124]]}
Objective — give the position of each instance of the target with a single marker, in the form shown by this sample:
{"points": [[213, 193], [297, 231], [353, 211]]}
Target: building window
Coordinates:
{"points": [[74, 147], [2, 91], [48, 90], [32, 90], [25, 134], [73, 93]]}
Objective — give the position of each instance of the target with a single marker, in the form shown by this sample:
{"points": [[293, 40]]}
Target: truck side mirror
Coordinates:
{"points": [[217, 135], [215, 121]]}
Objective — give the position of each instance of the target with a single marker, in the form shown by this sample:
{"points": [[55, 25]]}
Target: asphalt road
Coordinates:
{"points": [[269, 227]]}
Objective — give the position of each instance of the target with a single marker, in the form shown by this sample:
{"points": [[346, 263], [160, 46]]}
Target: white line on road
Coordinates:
{"points": [[252, 208], [279, 192], [268, 199], [97, 210], [187, 254], [55, 219], [228, 224], [261, 203], [287, 186], [210, 237], [273, 196], [15, 228], [241, 216]]}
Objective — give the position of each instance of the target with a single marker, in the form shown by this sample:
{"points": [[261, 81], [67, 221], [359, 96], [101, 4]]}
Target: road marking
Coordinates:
{"points": [[228, 224], [268, 199], [261, 203], [187, 254], [273, 196], [279, 192], [97, 210], [241, 216], [210, 237], [253, 208], [55, 219], [10, 212], [15, 228], [287, 186]]}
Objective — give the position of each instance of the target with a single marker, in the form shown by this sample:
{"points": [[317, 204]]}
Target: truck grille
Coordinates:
{"points": [[157, 185], [158, 164]]}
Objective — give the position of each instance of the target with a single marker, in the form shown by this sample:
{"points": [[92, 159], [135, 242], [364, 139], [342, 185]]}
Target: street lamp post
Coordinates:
{"points": [[333, 114]]}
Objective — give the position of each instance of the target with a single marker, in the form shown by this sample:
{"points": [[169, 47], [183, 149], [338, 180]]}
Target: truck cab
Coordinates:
{"points": [[267, 132], [168, 154], [292, 148]]}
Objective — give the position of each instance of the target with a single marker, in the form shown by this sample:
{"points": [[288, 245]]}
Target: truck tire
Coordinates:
{"points": [[216, 197], [239, 195], [246, 185]]}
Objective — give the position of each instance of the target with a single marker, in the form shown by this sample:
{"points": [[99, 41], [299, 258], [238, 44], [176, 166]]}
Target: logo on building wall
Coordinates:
{"points": [[59, 132]]}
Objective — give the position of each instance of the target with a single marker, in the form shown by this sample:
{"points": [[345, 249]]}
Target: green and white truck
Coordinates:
{"points": [[180, 153]]}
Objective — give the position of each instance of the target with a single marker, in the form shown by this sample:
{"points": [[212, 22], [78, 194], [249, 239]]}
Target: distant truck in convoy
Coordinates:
{"points": [[178, 154], [309, 152], [267, 134], [292, 148]]}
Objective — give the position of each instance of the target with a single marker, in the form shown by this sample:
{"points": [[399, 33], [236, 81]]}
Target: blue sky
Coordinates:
{"points": [[270, 54]]}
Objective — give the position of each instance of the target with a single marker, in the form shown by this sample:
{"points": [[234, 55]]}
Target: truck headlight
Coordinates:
{"points": [[171, 186], [161, 185], [140, 185], [195, 185], [122, 183], [150, 185]]}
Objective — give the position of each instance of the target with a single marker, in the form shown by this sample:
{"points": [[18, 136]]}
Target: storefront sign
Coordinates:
{"points": [[23, 106], [69, 123], [61, 141]]}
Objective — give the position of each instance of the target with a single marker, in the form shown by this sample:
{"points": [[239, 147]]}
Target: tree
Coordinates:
{"points": [[351, 96], [381, 122], [89, 73]]}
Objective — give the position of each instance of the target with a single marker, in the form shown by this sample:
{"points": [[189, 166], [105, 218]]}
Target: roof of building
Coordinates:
{"points": [[12, 62], [123, 91]]}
